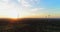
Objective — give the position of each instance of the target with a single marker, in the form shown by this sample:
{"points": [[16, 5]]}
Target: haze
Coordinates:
{"points": [[29, 8]]}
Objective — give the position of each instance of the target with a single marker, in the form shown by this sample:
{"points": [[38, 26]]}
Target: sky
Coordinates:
{"points": [[29, 8]]}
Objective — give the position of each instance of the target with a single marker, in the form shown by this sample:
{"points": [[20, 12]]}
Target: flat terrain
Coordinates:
{"points": [[30, 25]]}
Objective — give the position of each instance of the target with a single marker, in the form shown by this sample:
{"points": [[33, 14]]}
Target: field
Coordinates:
{"points": [[30, 25]]}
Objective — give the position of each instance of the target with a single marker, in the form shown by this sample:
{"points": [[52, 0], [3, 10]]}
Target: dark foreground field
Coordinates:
{"points": [[30, 25]]}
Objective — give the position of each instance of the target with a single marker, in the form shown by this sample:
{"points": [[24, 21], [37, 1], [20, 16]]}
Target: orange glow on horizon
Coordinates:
{"points": [[30, 16]]}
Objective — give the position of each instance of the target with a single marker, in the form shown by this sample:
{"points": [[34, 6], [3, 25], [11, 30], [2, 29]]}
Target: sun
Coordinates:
{"points": [[8, 11], [8, 14]]}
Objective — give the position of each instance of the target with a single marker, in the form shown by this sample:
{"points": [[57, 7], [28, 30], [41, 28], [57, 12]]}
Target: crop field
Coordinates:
{"points": [[30, 25]]}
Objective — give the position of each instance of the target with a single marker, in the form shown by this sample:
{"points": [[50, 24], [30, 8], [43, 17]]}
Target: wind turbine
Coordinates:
{"points": [[48, 16], [18, 13]]}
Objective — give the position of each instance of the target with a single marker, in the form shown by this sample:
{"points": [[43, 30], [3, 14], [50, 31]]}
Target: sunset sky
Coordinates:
{"points": [[29, 8]]}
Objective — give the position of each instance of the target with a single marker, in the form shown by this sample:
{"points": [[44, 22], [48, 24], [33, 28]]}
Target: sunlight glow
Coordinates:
{"points": [[26, 9]]}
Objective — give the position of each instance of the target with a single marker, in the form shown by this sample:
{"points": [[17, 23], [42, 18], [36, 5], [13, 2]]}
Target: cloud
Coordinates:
{"points": [[5, 1], [7, 10], [19, 1], [25, 4], [33, 2], [23, 7], [28, 4], [36, 9], [28, 7]]}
